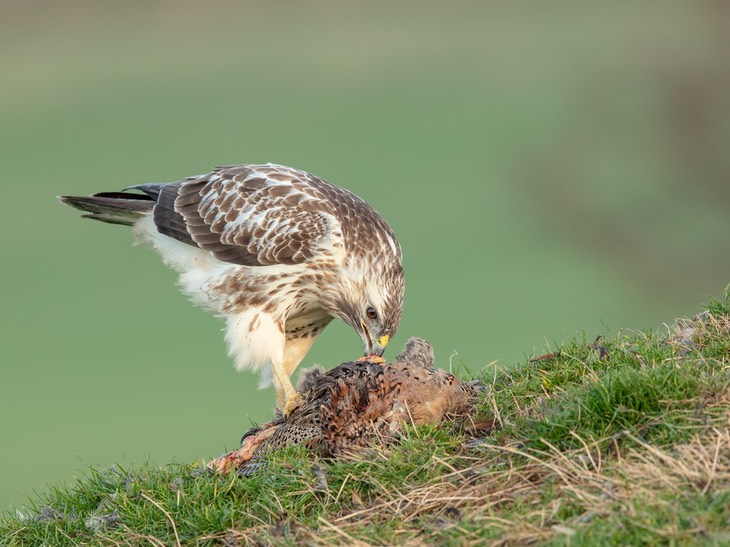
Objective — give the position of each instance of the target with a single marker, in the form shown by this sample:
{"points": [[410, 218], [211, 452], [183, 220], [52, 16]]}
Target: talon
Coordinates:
{"points": [[293, 402], [372, 359]]}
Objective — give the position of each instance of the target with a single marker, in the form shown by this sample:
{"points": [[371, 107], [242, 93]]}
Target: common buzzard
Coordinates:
{"points": [[276, 252]]}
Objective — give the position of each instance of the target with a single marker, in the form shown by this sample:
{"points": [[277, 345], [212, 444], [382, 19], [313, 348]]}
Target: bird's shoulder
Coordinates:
{"points": [[256, 182], [271, 185], [253, 215], [238, 200]]}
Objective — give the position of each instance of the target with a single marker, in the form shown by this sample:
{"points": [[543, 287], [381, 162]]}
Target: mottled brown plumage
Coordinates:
{"points": [[237, 213], [356, 402], [278, 252]]}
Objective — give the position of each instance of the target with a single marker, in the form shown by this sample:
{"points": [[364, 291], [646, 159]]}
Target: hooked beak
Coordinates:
{"points": [[374, 349], [379, 347]]}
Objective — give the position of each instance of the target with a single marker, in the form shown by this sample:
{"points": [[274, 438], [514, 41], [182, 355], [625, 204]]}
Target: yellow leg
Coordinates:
{"points": [[287, 398]]}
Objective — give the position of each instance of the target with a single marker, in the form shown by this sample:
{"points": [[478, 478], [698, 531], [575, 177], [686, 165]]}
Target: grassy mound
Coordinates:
{"points": [[623, 440]]}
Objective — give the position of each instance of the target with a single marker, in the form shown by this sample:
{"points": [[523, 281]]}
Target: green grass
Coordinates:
{"points": [[624, 440]]}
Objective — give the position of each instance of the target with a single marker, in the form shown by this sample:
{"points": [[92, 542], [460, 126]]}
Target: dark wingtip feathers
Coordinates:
{"points": [[111, 207]]}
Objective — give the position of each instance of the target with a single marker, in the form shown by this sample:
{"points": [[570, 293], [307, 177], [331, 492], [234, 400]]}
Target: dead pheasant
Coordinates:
{"points": [[354, 403]]}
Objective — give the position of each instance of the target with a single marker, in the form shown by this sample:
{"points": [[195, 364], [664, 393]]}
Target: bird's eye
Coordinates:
{"points": [[371, 313]]}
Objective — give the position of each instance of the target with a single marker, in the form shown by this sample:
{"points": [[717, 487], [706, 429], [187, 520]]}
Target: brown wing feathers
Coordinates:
{"points": [[205, 232], [238, 214], [253, 215], [252, 218], [168, 221]]}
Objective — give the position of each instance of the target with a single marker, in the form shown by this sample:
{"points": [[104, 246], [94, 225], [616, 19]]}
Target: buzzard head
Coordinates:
{"points": [[370, 300]]}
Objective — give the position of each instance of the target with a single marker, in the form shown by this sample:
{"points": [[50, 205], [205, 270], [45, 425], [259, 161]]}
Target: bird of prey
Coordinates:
{"points": [[276, 252]]}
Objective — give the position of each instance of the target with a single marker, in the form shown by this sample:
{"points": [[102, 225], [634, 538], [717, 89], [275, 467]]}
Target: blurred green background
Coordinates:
{"points": [[549, 168]]}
